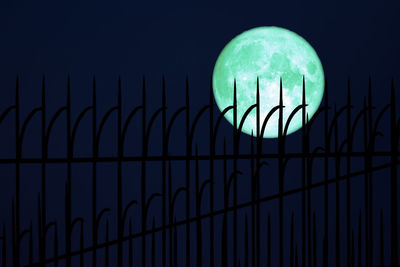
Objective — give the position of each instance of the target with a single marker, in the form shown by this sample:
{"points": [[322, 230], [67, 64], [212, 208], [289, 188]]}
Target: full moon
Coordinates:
{"points": [[269, 53]]}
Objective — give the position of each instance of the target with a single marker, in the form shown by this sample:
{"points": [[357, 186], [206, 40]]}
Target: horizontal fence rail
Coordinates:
{"points": [[208, 206]]}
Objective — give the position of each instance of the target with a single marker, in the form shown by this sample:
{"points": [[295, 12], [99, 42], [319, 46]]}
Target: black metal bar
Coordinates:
{"points": [[314, 241], [158, 158], [224, 245], [292, 241], [81, 247], [280, 172], [224, 242], [348, 170], [393, 178], [246, 242], [170, 214], [370, 173], [211, 171], [130, 246], [352, 249], [253, 205], [30, 245], [235, 153], [4, 247], [153, 245], [303, 176], [269, 242], [199, 255], [367, 162], [382, 241], [68, 195], [188, 153], [55, 245], [257, 178], [107, 249], [326, 176], [175, 245], [337, 169], [17, 176], [41, 260], [43, 166], [13, 236], [120, 223], [164, 172], [143, 172], [359, 241], [94, 175]]}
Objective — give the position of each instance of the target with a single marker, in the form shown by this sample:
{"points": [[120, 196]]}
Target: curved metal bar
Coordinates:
{"points": [[375, 132], [180, 189], [378, 133], [176, 194], [127, 121], [342, 144], [26, 122], [23, 233], [48, 226], [196, 120], [340, 151], [398, 124], [285, 162], [5, 113], [130, 204], [153, 196], [219, 121], [243, 120], [357, 118], [316, 114], [202, 188], [171, 122], [314, 152], [149, 200], [228, 184], [270, 113], [101, 213], [379, 117], [52, 121], [102, 123], [76, 124], [75, 221], [334, 121], [151, 122], [291, 117], [262, 163]]}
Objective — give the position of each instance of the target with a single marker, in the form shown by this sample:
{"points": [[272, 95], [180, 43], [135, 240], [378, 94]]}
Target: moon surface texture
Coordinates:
{"points": [[269, 53]]}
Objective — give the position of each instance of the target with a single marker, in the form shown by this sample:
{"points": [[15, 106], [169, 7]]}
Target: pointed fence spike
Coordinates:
{"points": [[304, 91], [280, 92], [348, 91]]}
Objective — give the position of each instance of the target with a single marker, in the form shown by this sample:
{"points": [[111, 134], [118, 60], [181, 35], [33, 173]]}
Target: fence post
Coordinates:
{"points": [[393, 177], [94, 174]]}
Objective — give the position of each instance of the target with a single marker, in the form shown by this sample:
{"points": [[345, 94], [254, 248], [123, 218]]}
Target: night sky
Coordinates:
{"points": [[108, 39], [155, 38]]}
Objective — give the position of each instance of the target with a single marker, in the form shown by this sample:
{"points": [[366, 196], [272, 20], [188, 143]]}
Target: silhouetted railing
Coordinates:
{"points": [[216, 243]]}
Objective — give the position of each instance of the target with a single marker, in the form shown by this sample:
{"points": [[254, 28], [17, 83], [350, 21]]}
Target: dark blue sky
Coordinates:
{"points": [[110, 38], [175, 38]]}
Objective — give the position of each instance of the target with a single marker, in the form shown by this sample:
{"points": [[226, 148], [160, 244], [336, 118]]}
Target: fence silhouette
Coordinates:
{"points": [[220, 234]]}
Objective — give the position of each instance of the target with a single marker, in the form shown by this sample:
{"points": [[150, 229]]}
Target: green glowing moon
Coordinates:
{"points": [[269, 53]]}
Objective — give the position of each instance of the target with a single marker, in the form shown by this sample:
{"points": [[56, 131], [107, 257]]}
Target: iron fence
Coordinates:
{"points": [[228, 231]]}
